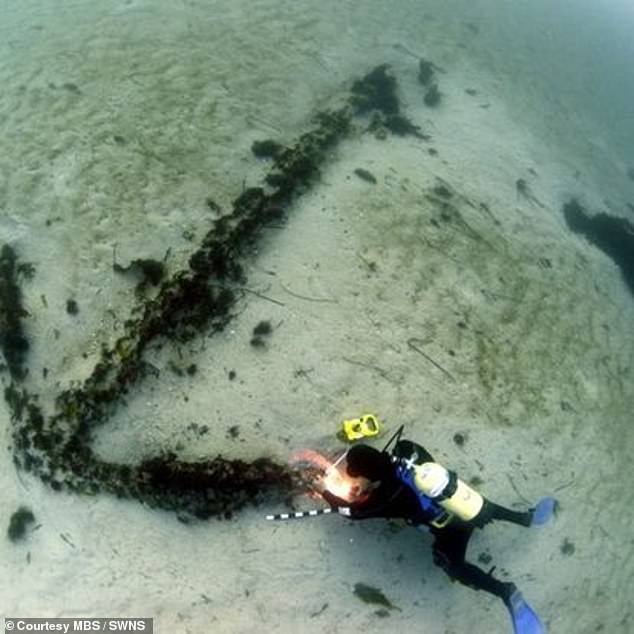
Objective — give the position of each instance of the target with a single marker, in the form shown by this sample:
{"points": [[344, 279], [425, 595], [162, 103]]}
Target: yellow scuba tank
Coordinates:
{"points": [[445, 488]]}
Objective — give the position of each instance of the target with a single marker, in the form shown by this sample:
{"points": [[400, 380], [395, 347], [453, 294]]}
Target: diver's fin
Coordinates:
{"points": [[544, 511], [525, 621]]}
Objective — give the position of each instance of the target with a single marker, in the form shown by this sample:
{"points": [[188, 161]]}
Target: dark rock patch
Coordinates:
{"points": [[614, 236]]}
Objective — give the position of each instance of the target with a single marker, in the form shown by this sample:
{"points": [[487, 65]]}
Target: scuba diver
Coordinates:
{"points": [[408, 484]]}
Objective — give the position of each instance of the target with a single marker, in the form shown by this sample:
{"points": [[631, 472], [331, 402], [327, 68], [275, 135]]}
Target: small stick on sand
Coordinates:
{"points": [[309, 299], [524, 499], [413, 343], [376, 368], [244, 289], [261, 296]]}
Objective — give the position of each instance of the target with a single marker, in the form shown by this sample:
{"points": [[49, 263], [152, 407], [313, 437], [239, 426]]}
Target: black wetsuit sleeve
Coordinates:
{"points": [[390, 500], [358, 511], [333, 500]]}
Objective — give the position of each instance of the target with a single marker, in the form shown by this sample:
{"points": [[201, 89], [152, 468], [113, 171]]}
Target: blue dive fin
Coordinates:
{"points": [[525, 621], [544, 511]]}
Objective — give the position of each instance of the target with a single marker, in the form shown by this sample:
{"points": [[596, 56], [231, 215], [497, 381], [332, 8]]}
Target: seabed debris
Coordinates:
{"points": [[57, 447]]}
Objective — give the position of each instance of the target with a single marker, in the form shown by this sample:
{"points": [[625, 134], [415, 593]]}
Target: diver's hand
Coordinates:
{"points": [[319, 485]]}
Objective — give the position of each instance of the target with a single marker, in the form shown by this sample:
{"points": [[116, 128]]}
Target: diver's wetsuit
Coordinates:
{"points": [[394, 499], [391, 499]]}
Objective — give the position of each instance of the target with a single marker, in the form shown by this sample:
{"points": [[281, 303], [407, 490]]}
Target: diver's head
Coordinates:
{"points": [[367, 462]]}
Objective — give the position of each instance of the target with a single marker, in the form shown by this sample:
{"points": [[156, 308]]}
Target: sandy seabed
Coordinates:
{"points": [[119, 119]]}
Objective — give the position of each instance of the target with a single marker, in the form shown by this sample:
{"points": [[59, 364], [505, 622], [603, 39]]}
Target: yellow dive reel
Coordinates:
{"points": [[365, 426]]}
